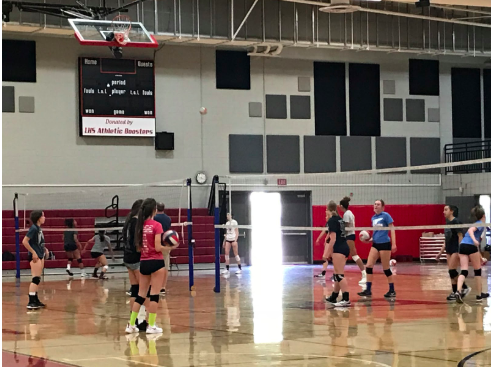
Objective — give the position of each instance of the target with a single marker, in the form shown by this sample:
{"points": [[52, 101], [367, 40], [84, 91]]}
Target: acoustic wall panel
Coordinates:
{"points": [[425, 151], [300, 107], [304, 84], [26, 104], [466, 103], [283, 154], [415, 110], [232, 70], [8, 99], [320, 154], [255, 110], [391, 152], [423, 77], [355, 153], [276, 107], [486, 102], [246, 154], [393, 109]]}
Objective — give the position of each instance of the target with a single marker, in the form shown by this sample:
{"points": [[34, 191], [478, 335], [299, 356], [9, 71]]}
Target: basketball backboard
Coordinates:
{"points": [[96, 32]]}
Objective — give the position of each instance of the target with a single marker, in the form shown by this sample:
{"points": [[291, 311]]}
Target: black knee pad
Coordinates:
{"points": [[36, 280], [369, 270], [139, 300], [478, 272], [338, 277], [79, 261], [464, 273], [453, 274], [388, 272], [70, 260], [134, 291], [154, 298]]}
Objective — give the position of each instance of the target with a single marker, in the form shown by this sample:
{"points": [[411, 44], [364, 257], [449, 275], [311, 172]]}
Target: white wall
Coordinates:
{"points": [[44, 147]]}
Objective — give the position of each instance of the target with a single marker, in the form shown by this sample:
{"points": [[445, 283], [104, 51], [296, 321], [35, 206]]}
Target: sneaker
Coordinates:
{"points": [[238, 272], [131, 329], [40, 304], [129, 292], [342, 303], [94, 275], [320, 275], [482, 296], [451, 297], [83, 274], [69, 273], [153, 329], [331, 299], [163, 292], [459, 298], [365, 293], [225, 272], [465, 292], [102, 276], [33, 305], [390, 294]]}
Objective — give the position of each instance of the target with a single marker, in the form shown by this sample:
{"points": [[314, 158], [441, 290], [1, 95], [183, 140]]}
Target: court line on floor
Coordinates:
{"points": [[468, 357]]}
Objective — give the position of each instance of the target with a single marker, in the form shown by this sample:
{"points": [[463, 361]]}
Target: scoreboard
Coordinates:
{"points": [[117, 97]]}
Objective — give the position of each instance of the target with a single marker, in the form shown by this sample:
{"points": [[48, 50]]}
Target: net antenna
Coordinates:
{"points": [[121, 27]]}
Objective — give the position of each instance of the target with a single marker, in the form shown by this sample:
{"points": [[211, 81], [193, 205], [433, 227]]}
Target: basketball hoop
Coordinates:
{"points": [[121, 27]]}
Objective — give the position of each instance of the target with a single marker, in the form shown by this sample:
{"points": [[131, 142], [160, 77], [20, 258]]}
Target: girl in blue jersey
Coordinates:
{"points": [[382, 246], [470, 252]]}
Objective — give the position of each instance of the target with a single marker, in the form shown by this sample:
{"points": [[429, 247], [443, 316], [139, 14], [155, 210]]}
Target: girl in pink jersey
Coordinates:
{"points": [[148, 241]]}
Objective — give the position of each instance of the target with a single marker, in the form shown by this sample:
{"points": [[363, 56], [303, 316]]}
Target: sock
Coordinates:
{"points": [[95, 271], [334, 294], [152, 317], [227, 267], [369, 285], [345, 296], [133, 318], [324, 273], [455, 288], [68, 266], [465, 286], [392, 286], [32, 297], [239, 266], [364, 273]]}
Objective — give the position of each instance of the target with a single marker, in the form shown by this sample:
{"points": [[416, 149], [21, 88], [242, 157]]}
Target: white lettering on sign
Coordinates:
{"points": [[90, 61], [89, 91], [145, 64], [118, 83]]}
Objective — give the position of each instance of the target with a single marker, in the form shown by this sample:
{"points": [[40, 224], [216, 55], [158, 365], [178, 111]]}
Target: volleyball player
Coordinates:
{"points": [[131, 257], [324, 234], [165, 221], [230, 239], [470, 252], [349, 220], [72, 246], [148, 234], [97, 252], [338, 250], [34, 243], [382, 247], [453, 238]]}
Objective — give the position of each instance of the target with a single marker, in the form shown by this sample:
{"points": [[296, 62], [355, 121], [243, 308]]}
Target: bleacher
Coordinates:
{"points": [[203, 233]]}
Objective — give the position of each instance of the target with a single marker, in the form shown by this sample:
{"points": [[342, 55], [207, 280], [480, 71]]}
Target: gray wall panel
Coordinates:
{"points": [[391, 152], [300, 107], [393, 109], [425, 151], [8, 99], [355, 153], [283, 154], [320, 154], [245, 153], [276, 106], [415, 110]]}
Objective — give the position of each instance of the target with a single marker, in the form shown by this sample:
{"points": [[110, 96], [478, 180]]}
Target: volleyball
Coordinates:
{"points": [[392, 262], [364, 236], [203, 110], [171, 238]]}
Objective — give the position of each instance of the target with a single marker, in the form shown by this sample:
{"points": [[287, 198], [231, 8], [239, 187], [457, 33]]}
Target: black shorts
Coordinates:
{"points": [[468, 249], [70, 247], [230, 241], [451, 249], [382, 246], [150, 266], [29, 257], [96, 254], [341, 248], [350, 237]]}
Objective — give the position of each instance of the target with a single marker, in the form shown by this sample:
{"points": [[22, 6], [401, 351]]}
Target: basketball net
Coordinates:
{"points": [[121, 28]]}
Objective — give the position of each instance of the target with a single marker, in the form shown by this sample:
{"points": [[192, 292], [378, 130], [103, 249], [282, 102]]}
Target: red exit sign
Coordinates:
{"points": [[281, 181]]}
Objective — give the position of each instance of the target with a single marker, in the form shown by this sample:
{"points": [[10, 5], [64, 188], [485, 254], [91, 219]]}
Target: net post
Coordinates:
{"points": [[190, 238], [215, 185], [17, 237]]}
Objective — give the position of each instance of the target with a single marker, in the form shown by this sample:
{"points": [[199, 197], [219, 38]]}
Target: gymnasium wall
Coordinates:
{"points": [[43, 147]]}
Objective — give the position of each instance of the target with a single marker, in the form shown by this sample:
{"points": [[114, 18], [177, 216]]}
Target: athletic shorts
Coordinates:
{"points": [[29, 257], [382, 246], [341, 248], [451, 249], [133, 266], [230, 241], [96, 254], [468, 249], [70, 247], [150, 266], [350, 237]]}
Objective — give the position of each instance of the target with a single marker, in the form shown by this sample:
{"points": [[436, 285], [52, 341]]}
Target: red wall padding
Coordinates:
{"points": [[407, 241]]}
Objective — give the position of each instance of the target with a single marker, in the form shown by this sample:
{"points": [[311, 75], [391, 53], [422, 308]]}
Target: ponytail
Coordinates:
{"points": [[133, 212], [332, 207], [146, 211], [345, 202], [101, 235]]}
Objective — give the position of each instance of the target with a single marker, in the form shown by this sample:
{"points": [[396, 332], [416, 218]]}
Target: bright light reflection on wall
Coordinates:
{"points": [[266, 270]]}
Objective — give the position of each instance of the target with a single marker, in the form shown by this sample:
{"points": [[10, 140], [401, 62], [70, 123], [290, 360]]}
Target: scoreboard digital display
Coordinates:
{"points": [[117, 97]]}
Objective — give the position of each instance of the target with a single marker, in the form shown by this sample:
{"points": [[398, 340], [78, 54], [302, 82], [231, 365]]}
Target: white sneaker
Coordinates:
{"points": [[131, 329], [238, 272], [225, 272], [342, 303], [153, 330], [83, 274]]}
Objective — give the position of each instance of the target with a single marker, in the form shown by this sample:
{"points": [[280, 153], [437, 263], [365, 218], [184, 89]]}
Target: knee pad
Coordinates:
{"points": [[355, 258], [79, 261], [338, 277], [154, 298], [369, 270], [453, 274], [139, 300], [238, 258], [134, 291], [226, 258], [388, 272], [36, 280], [70, 260], [478, 272], [464, 272]]}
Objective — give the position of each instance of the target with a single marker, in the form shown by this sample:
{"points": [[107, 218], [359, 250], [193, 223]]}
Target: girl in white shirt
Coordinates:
{"points": [[230, 239]]}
